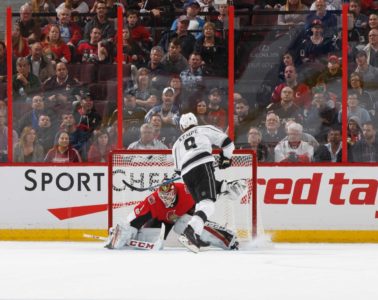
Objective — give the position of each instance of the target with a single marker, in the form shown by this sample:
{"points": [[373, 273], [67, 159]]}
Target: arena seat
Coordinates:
{"points": [[86, 73]]}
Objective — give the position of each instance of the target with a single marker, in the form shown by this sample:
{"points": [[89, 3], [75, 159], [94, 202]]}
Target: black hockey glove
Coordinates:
{"points": [[224, 162]]}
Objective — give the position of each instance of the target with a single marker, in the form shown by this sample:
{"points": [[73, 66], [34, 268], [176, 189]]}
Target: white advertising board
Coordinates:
{"points": [[290, 198]]}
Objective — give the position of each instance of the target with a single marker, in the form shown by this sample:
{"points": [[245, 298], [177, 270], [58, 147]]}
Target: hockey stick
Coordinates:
{"points": [[143, 245], [152, 187]]}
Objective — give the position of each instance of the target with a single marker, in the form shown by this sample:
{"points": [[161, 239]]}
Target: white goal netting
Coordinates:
{"points": [[147, 168]]}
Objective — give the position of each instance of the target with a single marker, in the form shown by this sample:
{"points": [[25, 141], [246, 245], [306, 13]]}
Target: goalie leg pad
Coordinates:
{"points": [[219, 236], [120, 236]]}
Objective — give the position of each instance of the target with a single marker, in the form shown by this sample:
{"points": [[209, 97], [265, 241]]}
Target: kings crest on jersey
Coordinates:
{"points": [[194, 147]]}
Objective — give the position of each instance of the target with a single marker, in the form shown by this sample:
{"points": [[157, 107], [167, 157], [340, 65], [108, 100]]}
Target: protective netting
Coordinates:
{"points": [[143, 170]]}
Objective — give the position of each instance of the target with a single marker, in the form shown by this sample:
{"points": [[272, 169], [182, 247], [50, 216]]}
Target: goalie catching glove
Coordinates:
{"points": [[224, 162]]}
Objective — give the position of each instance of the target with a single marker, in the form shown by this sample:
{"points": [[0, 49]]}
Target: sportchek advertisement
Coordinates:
{"points": [[290, 198]]}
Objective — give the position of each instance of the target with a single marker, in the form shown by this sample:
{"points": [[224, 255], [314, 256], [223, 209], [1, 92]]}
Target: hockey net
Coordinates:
{"points": [[146, 168]]}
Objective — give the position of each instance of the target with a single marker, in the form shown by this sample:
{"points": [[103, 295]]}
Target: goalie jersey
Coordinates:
{"points": [[194, 147], [155, 207]]}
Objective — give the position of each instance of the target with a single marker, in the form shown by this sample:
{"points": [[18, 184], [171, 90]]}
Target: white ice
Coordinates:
{"points": [[39, 270]]}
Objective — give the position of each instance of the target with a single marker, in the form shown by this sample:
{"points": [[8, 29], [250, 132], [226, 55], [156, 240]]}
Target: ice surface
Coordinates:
{"points": [[33, 270]]}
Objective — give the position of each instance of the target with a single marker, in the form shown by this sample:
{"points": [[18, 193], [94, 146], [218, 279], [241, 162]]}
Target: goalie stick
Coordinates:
{"points": [[143, 245]]}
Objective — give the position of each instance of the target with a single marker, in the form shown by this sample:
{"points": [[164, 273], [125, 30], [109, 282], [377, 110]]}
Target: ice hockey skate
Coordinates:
{"points": [[190, 240]]}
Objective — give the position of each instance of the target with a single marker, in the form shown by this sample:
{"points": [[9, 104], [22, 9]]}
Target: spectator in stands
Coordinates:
{"points": [[43, 6], [193, 77], [154, 12], [55, 48], [100, 20], [272, 133], [147, 140], [101, 147], [320, 117], [68, 124], [330, 152], [145, 96], [94, 50], [63, 152], [361, 20], [317, 46], [356, 38], [254, 143], [372, 24], [331, 5], [25, 83], [78, 6], [293, 150], [294, 18], [286, 109], [217, 115], [201, 112], [192, 8], [302, 97], [61, 87], [112, 6], [132, 51], [27, 149], [288, 59], [70, 32], [180, 100], [45, 132], [31, 118], [366, 71], [332, 76], [169, 112], [213, 51], [371, 48], [356, 85], [166, 135], [173, 61], [328, 19], [354, 109], [20, 45], [133, 118], [305, 137], [40, 64], [87, 120], [29, 27], [181, 33], [354, 130], [4, 136], [244, 118], [221, 20], [366, 149], [156, 68], [3, 62], [138, 31]]}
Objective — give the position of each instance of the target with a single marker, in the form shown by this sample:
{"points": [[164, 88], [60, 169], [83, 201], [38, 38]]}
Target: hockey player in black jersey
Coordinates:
{"points": [[193, 159]]}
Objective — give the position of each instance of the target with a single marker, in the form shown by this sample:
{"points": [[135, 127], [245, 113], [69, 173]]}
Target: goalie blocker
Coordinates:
{"points": [[172, 205]]}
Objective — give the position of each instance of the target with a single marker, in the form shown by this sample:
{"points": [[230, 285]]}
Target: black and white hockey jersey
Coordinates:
{"points": [[194, 147]]}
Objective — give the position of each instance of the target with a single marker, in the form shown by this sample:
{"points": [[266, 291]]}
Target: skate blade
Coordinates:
{"points": [[185, 242]]}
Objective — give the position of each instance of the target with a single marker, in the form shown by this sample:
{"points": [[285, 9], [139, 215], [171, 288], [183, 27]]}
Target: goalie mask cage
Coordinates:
{"points": [[144, 168]]}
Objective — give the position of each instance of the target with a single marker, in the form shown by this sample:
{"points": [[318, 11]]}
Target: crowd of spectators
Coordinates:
{"points": [[296, 113], [175, 58]]}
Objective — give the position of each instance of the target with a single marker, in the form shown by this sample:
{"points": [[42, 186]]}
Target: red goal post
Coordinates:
{"points": [[144, 168]]}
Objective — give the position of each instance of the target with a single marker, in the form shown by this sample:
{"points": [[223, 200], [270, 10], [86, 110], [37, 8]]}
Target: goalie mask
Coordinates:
{"points": [[167, 194]]}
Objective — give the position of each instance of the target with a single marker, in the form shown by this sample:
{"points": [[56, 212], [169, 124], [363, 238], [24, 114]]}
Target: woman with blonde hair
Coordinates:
{"points": [[20, 44], [28, 149], [54, 46], [294, 18]]}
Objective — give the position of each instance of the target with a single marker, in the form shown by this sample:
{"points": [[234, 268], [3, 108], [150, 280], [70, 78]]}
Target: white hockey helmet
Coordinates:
{"points": [[188, 120]]}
